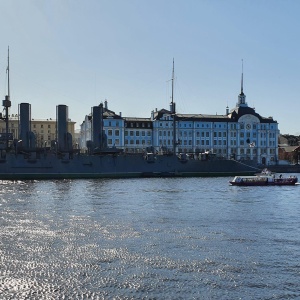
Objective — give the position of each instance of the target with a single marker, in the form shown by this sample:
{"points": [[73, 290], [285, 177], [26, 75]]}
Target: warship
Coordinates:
{"points": [[21, 159]]}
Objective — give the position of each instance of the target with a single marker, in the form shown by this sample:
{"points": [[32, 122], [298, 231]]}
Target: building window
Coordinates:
{"points": [[131, 133], [137, 133], [117, 132], [109, 132]]}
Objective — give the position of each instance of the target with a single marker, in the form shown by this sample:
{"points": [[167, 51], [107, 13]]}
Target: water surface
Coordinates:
{"points": [[193, 238]]}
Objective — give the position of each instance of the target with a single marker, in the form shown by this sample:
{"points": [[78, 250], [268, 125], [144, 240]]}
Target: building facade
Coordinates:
{"points": [[240, 133], [43, 129]]}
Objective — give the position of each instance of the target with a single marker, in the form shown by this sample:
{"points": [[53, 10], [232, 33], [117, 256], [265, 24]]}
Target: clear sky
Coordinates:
{"points": [[81, 52]]}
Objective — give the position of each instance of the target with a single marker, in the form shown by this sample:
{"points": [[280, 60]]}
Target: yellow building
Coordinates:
{"points": [[44, 129]]}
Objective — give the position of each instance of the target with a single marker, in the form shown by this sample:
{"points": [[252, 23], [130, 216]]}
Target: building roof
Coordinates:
{"points": [[290, 148], [240, 111], [233, 116], [134, 119]]}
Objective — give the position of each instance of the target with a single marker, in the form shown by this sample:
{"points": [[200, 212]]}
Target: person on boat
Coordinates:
{"points": [[280, 176]]}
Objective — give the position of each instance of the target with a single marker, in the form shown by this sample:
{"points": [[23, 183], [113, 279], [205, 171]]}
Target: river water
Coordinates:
{"points": [[191, 238]]}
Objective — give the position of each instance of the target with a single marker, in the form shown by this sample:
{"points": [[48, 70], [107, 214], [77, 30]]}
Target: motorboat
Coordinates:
{"points": [[266, 177]]}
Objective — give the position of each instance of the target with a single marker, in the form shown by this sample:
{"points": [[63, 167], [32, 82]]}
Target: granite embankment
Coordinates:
{"points": [[285, 168]]}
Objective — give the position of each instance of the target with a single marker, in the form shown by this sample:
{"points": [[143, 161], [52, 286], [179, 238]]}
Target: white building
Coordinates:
{"points": [[241, 133], [113, 125]]}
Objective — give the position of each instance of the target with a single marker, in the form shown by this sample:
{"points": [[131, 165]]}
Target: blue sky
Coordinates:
{"points": [[81, 52]]}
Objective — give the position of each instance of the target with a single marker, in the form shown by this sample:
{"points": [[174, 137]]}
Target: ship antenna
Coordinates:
{"points": [[173, 89], [173, 113], [6, 102], [7, 70]]}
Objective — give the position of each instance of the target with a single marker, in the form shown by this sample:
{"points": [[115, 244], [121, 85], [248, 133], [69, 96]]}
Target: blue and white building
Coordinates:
{"points": [[240, 133]]}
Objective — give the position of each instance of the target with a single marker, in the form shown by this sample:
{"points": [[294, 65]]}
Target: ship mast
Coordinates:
{"points": [[173, 112], [6, 103]]}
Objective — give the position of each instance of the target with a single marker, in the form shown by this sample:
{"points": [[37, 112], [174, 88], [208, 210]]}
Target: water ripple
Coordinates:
{"points": [[148, 239]]}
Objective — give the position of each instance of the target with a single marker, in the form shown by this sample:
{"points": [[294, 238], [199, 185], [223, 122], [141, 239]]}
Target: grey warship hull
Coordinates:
{"points": [[23, 160], [49, 166]]}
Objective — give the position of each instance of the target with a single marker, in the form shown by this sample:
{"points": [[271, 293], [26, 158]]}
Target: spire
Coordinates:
{"points": [[242, 81], [242, 96]]}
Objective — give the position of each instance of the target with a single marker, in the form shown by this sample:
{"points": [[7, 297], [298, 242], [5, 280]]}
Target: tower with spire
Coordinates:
{"points": [[242, 96]]}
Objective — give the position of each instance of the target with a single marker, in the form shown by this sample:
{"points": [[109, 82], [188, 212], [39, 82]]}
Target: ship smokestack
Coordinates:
{"points": [[97, 126], [24, 124], [61, 126]]}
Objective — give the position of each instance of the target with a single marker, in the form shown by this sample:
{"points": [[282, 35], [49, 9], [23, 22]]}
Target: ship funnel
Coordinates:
{"points": [[24, 125], [64, 139], [97, 126]]}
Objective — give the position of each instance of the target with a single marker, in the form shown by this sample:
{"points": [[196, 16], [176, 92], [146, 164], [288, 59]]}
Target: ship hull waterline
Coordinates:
{"points": [[111, 166]]}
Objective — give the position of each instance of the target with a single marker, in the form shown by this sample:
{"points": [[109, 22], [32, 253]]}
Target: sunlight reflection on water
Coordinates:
{"points": [[148, 238]]}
